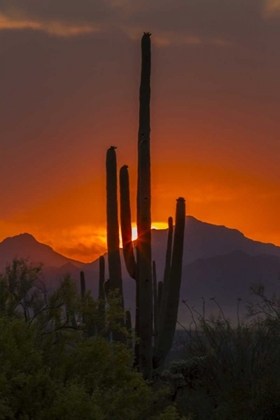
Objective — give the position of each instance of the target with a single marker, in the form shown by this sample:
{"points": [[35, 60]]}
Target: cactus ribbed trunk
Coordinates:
{"points": [[170, 314], [144, 251], [156, 303]]}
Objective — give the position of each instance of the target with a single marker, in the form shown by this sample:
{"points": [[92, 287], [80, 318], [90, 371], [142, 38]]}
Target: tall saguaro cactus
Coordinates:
{"points": [[144, 248], [158, 300]]}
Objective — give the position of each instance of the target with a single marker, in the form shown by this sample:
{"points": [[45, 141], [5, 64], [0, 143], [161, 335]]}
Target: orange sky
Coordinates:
{"points": [[69, 90]]}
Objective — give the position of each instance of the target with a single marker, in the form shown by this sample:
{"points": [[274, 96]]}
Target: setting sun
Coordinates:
{"points": [[134, 233], [155, 225]]}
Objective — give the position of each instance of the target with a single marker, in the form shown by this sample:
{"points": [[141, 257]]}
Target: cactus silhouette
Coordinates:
{"points": [[169, 313], [166, 278], [156, 303], [159, 294], [101, 296], [98, 326], [126, 222], [144, 248], [113, 242], [82, 283]]}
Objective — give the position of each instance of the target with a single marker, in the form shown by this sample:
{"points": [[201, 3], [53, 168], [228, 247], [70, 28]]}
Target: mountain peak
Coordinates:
{"points": [[22, 238], [25, 245]]}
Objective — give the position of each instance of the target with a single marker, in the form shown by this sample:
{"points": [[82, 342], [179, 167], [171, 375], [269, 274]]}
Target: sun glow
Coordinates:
{"points": [[134, 233], [155, 225]]}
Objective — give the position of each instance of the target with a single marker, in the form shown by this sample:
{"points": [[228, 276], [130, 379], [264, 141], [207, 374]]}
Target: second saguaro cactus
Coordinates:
{"points": [[113, 241]]}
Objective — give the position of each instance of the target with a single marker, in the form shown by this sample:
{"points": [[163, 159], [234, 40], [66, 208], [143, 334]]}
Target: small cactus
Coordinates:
{"points": [[101, 295], [155, 307], [82, 283]]}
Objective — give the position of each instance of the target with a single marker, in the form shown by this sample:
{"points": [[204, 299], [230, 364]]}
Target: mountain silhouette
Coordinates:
{"points": [[227, 278], [26, 246], [218, 262]]}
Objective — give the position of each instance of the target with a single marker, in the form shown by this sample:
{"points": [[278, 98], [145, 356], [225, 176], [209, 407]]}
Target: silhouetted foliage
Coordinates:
{"points": [[55, 368]]}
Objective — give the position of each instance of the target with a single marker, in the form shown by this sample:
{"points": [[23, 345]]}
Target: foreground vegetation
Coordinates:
{"points": [[231, 372], [58, 362]]}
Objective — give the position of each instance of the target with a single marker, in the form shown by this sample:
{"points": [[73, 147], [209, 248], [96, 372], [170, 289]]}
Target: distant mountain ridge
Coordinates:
{"points": [[26, 246], [218, 262]]}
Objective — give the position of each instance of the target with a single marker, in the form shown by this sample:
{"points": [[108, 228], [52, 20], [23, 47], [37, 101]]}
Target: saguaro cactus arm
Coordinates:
{"points": [[166, 277], [126, 223], [113, 242], [169, 320]]}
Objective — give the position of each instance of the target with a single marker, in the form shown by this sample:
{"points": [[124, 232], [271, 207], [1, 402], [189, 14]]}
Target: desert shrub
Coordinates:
{"points": [[229, 372]]}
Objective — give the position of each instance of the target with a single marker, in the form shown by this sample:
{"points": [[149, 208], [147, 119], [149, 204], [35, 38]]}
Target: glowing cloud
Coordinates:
{"points": [[167, 38], [272, 8], [51, 27]]}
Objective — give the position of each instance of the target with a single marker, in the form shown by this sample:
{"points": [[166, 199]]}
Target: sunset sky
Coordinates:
{"points": [[69, 81]]}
